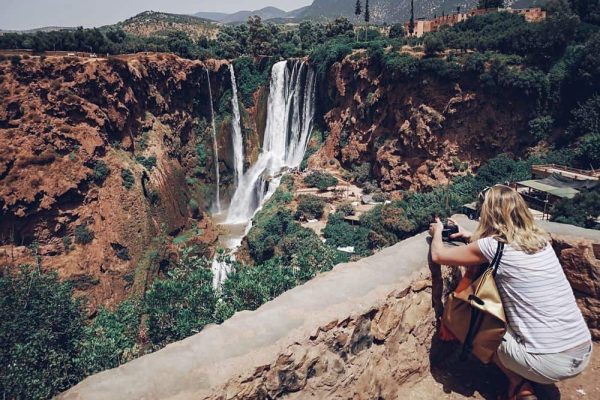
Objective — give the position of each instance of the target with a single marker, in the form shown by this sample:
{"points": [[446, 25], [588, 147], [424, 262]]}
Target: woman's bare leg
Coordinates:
{"points": [[513, 380]]}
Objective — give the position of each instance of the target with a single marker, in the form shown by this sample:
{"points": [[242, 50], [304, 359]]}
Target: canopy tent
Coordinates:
{"points": [[548, 187]]}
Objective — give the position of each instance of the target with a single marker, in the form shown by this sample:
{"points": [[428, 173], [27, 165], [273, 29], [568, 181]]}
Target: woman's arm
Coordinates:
{"points": [[467, 256]]}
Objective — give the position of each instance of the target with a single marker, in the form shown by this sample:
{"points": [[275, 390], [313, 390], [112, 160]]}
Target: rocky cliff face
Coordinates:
{"points": [[415, 134], [99, 163]]}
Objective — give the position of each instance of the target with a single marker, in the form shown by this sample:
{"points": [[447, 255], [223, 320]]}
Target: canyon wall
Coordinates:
{"points": [[364, 330], [419, 132], [102, 162]]}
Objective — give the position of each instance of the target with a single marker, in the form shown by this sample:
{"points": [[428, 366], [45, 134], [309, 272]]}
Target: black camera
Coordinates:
{"points": [[449, 230]]}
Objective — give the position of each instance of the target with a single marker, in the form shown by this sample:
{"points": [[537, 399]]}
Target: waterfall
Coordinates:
{"points": [[289, 123], [238, 149], [215, 147]]}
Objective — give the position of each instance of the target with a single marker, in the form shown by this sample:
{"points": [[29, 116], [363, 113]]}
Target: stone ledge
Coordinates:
{"points": [[359, 331]]}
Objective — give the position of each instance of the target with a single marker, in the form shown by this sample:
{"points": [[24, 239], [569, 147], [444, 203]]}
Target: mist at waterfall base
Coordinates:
{"points": [[290, 113]]}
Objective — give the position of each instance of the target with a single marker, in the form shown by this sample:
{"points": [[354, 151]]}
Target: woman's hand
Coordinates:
{"points": [[436, 228], [462, 232]]}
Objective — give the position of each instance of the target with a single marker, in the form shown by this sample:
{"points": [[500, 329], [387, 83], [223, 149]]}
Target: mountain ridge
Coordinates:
{"points": [[382, 11]]}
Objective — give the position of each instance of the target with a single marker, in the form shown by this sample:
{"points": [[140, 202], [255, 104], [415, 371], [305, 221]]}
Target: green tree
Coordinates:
{"points": [[541, 127], [589, 146], [433, 44], [40, 331], [411, 23], [128, 178], [111, 338], [396, 31], [582, 210], [367, 19], [357, 14], [320, 180], [310, 207], [183, 303]]}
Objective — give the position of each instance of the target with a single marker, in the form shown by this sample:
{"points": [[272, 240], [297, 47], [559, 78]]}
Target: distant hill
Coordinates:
{"points": [[242, 16], [394, 10], [154, 23], [213, 16], [389, 11], [43, 29]]}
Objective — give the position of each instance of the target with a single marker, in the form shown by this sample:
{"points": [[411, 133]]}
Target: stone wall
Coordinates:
{"points": [[361, 331]]}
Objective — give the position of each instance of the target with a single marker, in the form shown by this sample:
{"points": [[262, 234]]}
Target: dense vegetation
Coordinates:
{"points": [[46, 345]]}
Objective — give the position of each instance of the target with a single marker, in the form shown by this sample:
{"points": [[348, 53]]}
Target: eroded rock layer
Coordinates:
{"points": [[96, 158], [416, 133]]}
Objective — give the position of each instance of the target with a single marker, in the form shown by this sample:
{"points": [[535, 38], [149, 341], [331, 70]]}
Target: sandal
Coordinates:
{"points": [[516, 395]]}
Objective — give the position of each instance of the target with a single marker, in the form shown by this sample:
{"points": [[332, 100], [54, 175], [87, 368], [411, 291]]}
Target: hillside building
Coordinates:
{"points": [[423, 26]]}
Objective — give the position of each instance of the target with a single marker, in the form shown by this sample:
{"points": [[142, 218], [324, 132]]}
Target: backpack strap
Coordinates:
{"points": [[497, 257]]}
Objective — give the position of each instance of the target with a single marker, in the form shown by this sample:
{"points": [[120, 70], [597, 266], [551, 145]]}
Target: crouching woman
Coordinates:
{"points": [[547, 338]]}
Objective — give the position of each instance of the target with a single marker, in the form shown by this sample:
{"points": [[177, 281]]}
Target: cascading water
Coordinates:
{"points": [[215, 146], [290, 113], [289, 123], [238, 147]]}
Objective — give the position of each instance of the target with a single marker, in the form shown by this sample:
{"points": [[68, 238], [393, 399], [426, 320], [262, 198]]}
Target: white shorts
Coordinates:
{"points": [[543, 368]]}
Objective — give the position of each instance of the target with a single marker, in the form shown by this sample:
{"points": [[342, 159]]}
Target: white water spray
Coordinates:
{"points": [[238, 146], [289, 123], [215, 146], [290, 113]]}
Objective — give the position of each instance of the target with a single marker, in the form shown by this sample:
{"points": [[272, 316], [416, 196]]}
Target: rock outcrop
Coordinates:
{"points": [[96, 158], [415, 133], [362, 331]]}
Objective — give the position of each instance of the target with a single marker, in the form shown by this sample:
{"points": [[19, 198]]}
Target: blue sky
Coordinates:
{"points": [[27, 14]]}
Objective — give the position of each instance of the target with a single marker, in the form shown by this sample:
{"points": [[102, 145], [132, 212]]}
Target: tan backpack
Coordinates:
{"points": [[476, 315]]}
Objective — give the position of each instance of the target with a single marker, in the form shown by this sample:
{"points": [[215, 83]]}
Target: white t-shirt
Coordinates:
{"points": [[538, 301]]}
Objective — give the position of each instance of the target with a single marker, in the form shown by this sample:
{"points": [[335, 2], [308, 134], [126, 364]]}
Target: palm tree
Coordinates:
{"points": [[357, 13], [367, 19], [411, 24]]}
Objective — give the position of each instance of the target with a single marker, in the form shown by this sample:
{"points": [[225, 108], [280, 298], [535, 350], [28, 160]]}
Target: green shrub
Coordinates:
{"points": [[251, 75], [147, 162], [110, 340], [325, 55], [339, 233], [194, 207], [123, 254], [585, 118], [67, 244], [40, 331], [402, 66], [346, 209], [582, 210], [247, 288], [541, 127], [445, 70], [310, 207], [183, 303], [320, 180], [128, 178], [379, 197], [15, 60], [83, 235], [100, 171], [433, 44], [589, 147], [397, 31], [153, 197]]}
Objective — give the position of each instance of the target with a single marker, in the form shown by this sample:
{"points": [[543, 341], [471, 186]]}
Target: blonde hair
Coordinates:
{"points": [[506, 217]]}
